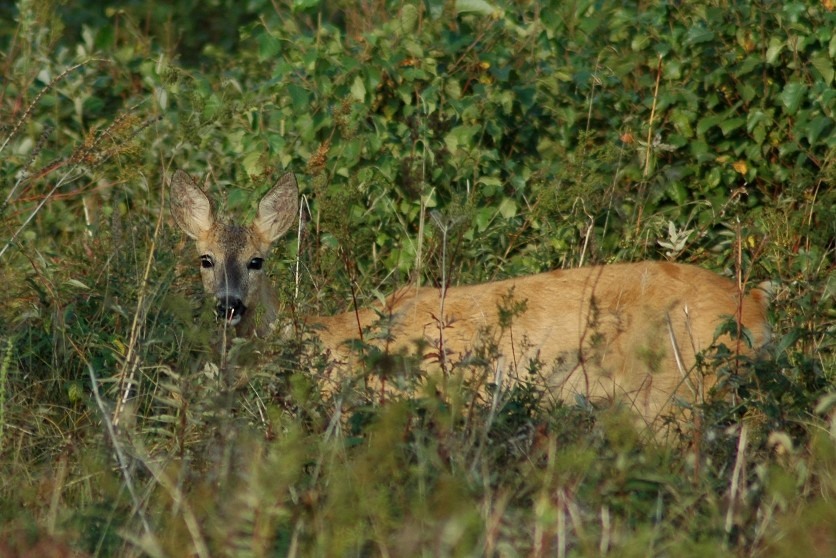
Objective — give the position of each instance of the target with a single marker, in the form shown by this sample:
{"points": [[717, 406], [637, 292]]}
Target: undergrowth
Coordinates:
{"points": [[437, 143]]}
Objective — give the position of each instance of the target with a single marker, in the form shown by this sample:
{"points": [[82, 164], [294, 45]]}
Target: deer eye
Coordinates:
{"points": [[206, 262], [255, 263]]}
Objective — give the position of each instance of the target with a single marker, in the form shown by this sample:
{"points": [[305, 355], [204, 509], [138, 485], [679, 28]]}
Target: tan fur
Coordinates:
{"points": [[628, 331]]}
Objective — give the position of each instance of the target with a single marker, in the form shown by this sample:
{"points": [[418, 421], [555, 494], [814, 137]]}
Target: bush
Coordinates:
{"points": [[436, 143]]}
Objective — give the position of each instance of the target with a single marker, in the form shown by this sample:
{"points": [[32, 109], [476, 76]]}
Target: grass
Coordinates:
{"points": [[125, 431]]}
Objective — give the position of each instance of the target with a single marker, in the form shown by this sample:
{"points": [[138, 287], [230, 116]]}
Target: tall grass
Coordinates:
{"points": [[442, 144]]}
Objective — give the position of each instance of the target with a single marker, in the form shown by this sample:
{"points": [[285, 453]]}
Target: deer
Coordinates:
{"points": [[628, 332]]}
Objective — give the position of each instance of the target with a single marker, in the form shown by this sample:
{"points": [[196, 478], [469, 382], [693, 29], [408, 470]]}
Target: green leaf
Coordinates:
{"points": [[774, 49], [299, 97], [757, 122], [673, 70], [236, 197], [408, 19], [493, 182], [747, 92], [268, 47], [824, 65], [731, 124], [795, 10], [792, 95], [77, 284], [749, 64], [351, 154], [480, 7], [678, 193], [301, 5], [759, 134], [453, 88], [508, 208], [640, 40], [212, 106], [358, 89], [460, 136], [756, 117], [483, 218], [818, 125], [698, 34], [708, 122], [682, 120], [252, 163], [714, 177]]}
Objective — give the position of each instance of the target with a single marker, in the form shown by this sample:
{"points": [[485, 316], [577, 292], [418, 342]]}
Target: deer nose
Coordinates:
{"points": [[231, 308]]}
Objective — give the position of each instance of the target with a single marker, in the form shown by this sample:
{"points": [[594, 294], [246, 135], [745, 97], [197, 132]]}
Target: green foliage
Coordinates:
{"points": [[437, 143]]}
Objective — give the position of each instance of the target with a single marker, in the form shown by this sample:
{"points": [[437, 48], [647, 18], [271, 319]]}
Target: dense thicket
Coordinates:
{"points": [[454, 142]]}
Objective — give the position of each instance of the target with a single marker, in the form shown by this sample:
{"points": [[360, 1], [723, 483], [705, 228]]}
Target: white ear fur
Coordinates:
{"points": [[191, 209], [277, 209]]}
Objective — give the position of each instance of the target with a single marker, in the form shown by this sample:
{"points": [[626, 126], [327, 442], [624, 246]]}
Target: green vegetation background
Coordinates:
{"points": [[455, 142]]}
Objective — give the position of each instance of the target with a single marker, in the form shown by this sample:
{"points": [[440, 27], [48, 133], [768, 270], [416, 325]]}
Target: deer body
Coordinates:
{"points": [[629, 331]]}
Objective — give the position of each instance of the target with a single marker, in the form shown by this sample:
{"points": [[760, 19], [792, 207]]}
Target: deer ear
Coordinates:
{"points": [[277, 209], [191, 209]]}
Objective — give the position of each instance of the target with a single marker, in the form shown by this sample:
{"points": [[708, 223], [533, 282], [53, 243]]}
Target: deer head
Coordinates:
{"points": [[232, 255]]}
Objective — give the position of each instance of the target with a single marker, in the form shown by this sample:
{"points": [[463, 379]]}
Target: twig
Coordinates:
{"points": [[591, 97], [297, 276], [38, 97], [76, 160], [180, 502], [734, 489], [34, 212], [444, 227], [126, 375], [647, 150], [648, 145], [123, 461], [5, 363]]}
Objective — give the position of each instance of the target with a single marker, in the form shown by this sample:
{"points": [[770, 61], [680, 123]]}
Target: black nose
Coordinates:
{"points": [[231, 308]]}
